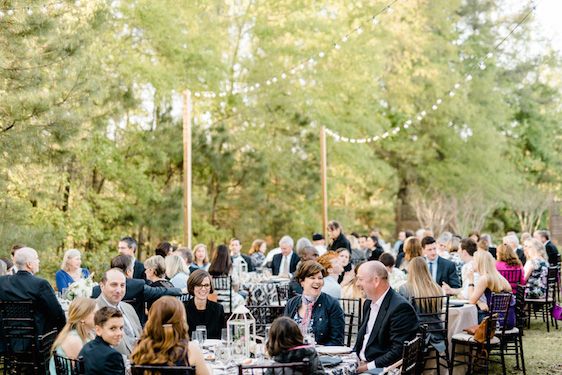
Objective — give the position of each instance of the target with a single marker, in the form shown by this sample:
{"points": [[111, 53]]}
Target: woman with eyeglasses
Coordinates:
{"points": [[200, 311]]}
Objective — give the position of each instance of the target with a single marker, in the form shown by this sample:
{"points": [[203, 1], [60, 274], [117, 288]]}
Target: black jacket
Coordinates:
{"points": [[447, 272], [24, 286], [101, 359], [138, 291], [212, 318], [327, 316], [276, 263], [248, 260], [298, 355], [138, 271], [340, 242], [396, 322], [552, 253]]}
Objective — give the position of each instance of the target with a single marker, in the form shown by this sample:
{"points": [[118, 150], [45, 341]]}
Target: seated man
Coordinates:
{"points": [[113, 287], [388, 321], [137, 289], [24, 286], [99, 356]]}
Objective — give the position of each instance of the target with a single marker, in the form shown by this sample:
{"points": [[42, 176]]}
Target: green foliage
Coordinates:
{"points": [[91, 134]]}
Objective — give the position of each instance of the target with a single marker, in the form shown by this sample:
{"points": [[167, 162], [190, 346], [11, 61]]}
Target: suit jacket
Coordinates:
{"points": [[128, 343], [138, 270], [24, 286], [447, 272], [141, 293], [101, 359], [396, 322], [276, 263], [521, 255], [552, 253]]}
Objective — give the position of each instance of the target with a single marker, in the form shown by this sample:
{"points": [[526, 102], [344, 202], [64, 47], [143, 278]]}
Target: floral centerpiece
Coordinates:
{"points": [[80, 288]]}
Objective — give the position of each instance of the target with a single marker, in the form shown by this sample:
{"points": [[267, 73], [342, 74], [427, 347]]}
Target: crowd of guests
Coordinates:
{"points": [[133, 312]]}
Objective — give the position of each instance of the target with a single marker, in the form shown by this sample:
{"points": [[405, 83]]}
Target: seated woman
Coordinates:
{"points": [[536, 269], [396, 277], [70, 270], [331, 263], [79, 329], [200, 311], [165, 341], [285, 344], [257, 253], [345, 261], [489, 281], [351, 289], [420, 284], [508, 262], [176, 271], [412, 249], [155, 269], [221, 265], [200, 260], [314, 311]]}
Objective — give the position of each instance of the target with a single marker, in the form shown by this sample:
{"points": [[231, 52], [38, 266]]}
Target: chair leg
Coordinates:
{"points": [[517, 353], [544, 315], [502, 354], [522, 355], [451, 368]]}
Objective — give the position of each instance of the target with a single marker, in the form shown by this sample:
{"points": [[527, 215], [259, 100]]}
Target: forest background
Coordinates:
{"points": [[91, 130]]}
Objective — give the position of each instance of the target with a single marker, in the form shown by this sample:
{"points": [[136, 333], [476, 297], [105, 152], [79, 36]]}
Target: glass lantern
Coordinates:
{"points": [[241, 330]]}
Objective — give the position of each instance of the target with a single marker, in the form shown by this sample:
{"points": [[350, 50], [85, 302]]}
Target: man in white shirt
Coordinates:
{"points": [[285, 263], [389, 320]]}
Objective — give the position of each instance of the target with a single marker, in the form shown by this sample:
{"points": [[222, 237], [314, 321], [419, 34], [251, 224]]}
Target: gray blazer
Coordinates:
{"points": [[128, 343]]}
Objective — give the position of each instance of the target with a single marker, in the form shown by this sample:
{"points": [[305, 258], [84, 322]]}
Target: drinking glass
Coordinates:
{"points": [[201, 334], [224, 336], [259, 352]]}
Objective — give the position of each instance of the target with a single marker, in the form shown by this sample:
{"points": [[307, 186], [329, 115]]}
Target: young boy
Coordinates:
{"points": [[99, 357]]}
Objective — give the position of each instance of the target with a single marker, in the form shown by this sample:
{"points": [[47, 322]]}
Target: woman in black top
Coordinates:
{"points": [[338, 238], [200, 311], [221, 263]]}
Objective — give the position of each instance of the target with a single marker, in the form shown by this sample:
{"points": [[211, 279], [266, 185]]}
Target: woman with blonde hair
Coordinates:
{"points": [[350, 289], [412, 249], [165, 341], [78, 330], [200, 258], [507, 263], [70, 270], [536, 269], [489, 281], [176, 271]]}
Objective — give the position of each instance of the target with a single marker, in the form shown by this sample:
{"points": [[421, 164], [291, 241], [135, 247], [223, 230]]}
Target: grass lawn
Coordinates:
{"points": [[543, 351]]}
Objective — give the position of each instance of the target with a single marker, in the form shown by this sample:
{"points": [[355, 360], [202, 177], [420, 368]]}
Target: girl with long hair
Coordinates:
{"points": [[165, 339], [412, 249], [79, 329], [221, 264], [508, 261]]}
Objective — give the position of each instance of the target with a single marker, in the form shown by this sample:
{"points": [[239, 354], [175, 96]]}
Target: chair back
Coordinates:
{"points": [[67, 366], [350, 328], [264, 316], [184, 297], [552, 280], [499, 306], [521, 315], [161, 370], [513, 276], [295, 368], [352, 306], [434, 313], [223, 288], [411, 355], [282, 293]]}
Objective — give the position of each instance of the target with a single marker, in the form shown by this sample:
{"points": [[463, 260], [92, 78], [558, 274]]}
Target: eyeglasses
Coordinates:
{"points": [[206, 286]]}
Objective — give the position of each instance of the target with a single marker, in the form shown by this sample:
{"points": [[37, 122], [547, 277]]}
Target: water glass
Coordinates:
{"points": [[201, 334], [259, 352], [224, 336], [222, 353]]}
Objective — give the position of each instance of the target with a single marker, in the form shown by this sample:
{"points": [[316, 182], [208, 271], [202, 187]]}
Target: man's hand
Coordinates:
{"points": [[447, 289], [362, 367]]}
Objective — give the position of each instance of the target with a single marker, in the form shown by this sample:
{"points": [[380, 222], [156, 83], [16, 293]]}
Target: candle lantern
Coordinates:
{"points": [[241, 330]]}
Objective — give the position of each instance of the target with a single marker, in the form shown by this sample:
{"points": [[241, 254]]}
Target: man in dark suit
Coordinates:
{"points": [[551, 249], [24, 286], [286, 262], [99, 356], [388, 320], [137, 290], [235, 246], [440, 269], [129, 246]]}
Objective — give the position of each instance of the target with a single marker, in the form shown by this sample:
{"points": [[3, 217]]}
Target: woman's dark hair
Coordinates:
{"points": [[196, 278], [163, 249], [221, 263], [283, 335], [309, 268], [387, 259]]}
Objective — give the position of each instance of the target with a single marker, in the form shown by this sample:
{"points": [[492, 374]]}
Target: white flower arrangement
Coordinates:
{"points": [[80, 288]]}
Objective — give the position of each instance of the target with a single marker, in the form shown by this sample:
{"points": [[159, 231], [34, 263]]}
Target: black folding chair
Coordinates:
{"points": [[223, 288], [295, 368], [433, 312], [25, 350], [264, 316], [162, 370], [512, 339], [512, 276], [546, 305], [411, 356], [67, 366], [352, 311], [282, 293]]}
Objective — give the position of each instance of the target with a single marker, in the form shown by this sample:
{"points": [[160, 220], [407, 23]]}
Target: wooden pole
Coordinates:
{"points": [[324, 182], [187, 168]]}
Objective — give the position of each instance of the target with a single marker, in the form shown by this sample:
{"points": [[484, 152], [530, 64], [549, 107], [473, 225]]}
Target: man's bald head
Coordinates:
{"points": [[375, 268], [372, 278]]}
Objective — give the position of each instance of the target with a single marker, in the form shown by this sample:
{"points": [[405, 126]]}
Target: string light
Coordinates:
{"points": [[481, 64], [310, 61]]}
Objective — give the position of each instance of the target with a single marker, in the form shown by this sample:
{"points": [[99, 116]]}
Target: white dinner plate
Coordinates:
{"points": [[463, 301], [211, 342], [333, 349]]}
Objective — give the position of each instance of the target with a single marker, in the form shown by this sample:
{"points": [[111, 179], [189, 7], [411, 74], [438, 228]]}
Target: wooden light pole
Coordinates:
{"points": [[324, 181], [187, 168]]}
